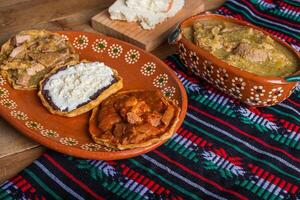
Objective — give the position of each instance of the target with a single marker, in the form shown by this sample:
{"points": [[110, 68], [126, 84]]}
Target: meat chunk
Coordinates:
{"points": [[119, 130], [34, 69], [133, 118], [107, 118], [140, 108], [154, 119], [19, 40], [49, 59], [131, 101], [18, 52], [23, 79], [168, 115], [249, 52]]}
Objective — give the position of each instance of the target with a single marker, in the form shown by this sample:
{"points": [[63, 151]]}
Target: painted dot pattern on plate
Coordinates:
{"points": [[66, 38], [169, 91], [68, 141], [49, 133], [161, 80], [81, 42], [8, 103], [148, 69], [4, 93], [19, 115], [99, 45], [115, 50], [34, 125], [132, 56], [91, 147]]}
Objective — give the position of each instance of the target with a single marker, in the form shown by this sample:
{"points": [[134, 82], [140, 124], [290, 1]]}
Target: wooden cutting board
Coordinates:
{"points": [[146, 39]]}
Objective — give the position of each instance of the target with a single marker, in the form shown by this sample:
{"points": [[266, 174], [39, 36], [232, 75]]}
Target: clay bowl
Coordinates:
{"points": [[139, 69], [247, 87]]}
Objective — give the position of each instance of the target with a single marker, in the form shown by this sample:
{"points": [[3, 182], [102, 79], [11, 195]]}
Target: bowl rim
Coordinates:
{"points": [[223, 64]]}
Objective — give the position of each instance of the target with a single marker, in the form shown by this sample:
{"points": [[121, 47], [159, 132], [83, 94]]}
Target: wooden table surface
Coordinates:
{"points": [[17, 151]]}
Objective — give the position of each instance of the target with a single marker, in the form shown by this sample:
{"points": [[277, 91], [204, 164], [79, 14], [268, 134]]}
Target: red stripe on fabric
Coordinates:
{"points": [[131, 172], [135, 175], [260, 171], [125, 171], [160, 190], [294, 190], [193, 138], [203, 143], [150, 184], [15, 179], [145, 181], [294, 102], [276, 181], [283, 4], [183, 133], [282, 183], [288, 187], [139, 179], [25, 187], [243, 133], [155, 187], [290, 126], [32, 190], [265, 175], [20, 183], [199, 176], [198, 141], [271, 177], [275, 19], [70, 176]]}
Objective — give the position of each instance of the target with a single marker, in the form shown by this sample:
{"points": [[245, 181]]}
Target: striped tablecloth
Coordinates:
{"points": [[224, 149]]}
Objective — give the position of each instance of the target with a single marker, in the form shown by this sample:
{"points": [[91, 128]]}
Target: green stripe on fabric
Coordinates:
{"points": [[293, 3], [284, 114], [121, 191], [8, 198], [149, 170], [3, 194], [250, 18], [239, 150], [224, 109], [42, 184]]}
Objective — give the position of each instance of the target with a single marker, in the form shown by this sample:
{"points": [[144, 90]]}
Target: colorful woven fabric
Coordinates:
{"points": [[224, 149]]}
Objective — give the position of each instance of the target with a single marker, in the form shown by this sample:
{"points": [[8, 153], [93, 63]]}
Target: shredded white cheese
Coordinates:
{"points": [[147, 13], [76, 84]]}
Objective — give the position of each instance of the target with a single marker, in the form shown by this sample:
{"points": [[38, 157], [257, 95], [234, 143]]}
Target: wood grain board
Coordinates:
{"points": [[146, 39]]}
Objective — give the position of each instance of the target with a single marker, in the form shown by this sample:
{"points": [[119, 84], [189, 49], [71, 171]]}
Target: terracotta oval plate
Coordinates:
{"points": [[139, 69]]}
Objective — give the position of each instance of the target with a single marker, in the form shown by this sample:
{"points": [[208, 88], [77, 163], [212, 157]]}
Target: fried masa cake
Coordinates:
{"points": [[133, 119], [75, 89], [28, 56]]}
